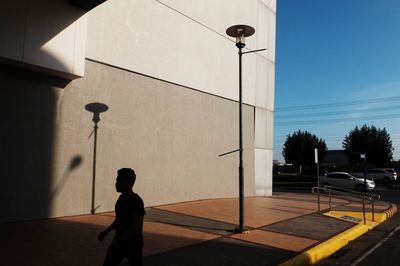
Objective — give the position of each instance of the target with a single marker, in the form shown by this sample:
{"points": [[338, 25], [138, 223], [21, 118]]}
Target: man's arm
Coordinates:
{"points": [[103, 234]]}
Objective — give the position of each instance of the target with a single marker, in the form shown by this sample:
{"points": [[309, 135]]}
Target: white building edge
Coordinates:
{"points": [[168, 74]]}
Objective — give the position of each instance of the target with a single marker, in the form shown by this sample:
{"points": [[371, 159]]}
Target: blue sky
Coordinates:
{"points": [[337, 67]]}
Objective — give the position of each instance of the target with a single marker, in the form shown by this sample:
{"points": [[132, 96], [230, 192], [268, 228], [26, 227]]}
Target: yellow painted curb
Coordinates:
{"points": [[328, 247], [325, 249]]}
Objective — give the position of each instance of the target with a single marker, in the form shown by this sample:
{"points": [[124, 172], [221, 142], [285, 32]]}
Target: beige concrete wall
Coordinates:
{"points": [[45, 35], [264, 95], [181, 41], [169, 134], [185, 42], [28, 108]]}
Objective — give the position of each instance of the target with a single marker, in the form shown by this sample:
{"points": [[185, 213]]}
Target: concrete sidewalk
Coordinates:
{"points": [[283, 228]]}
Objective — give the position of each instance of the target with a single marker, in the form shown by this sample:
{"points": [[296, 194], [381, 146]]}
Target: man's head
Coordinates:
{"points": [[125, 180]]}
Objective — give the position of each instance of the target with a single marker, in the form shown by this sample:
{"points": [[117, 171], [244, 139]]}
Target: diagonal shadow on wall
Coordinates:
{"points": [[27, 115], [28, 104]]}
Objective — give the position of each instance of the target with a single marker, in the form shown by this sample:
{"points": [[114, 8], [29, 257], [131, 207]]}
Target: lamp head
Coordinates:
{"points": [[240, 32]]}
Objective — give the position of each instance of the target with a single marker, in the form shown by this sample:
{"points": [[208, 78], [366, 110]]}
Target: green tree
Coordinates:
{"points": [[372, 141], [299, 148]]}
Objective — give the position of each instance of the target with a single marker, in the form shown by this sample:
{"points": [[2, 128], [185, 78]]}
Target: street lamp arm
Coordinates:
{"points": [[229, 152], [254, 51]]}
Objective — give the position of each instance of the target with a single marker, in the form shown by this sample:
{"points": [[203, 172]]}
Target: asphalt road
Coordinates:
{"points": [[391, 195], [379, 246]]}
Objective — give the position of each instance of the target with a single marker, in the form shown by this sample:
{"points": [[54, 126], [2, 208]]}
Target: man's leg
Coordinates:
{"points": [[113, 257], [135, 257]]}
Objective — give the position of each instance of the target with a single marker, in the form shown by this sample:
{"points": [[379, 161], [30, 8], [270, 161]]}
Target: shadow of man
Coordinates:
{"points": [[128, 223]]}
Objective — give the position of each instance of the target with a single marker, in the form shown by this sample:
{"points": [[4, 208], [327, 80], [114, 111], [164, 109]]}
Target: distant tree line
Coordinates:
{"points": [[299, 149], [375, 143]]}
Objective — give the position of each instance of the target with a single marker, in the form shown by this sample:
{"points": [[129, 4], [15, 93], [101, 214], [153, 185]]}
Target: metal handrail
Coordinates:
{"points": [[348, 191], [361, 195]]}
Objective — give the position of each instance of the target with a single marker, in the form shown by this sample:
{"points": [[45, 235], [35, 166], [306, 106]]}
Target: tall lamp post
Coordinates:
{"points": [[240, 32]]}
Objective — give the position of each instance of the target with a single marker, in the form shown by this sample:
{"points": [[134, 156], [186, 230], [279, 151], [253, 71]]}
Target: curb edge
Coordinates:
{"points": [[330, 246]]}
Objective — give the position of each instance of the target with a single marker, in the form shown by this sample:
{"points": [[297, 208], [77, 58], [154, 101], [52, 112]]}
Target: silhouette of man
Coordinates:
{"points": [[128, 223]]}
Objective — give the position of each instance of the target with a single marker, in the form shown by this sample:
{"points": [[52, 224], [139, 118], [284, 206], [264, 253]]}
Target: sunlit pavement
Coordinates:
{"points": [[280, 228]]}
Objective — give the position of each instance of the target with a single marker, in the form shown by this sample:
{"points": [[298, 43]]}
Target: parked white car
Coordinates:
{"points": [[385, 175], [345, 180]]}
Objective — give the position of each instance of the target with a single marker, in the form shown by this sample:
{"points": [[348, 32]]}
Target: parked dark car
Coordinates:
{"points": [[385, 175]]}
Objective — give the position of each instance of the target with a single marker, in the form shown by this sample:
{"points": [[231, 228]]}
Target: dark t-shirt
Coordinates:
{"points": [[125, 210]]}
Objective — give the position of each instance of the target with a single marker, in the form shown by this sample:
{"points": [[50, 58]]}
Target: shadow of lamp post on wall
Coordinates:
{"points": [[96, 109], [73, 164], [240, 32]]}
